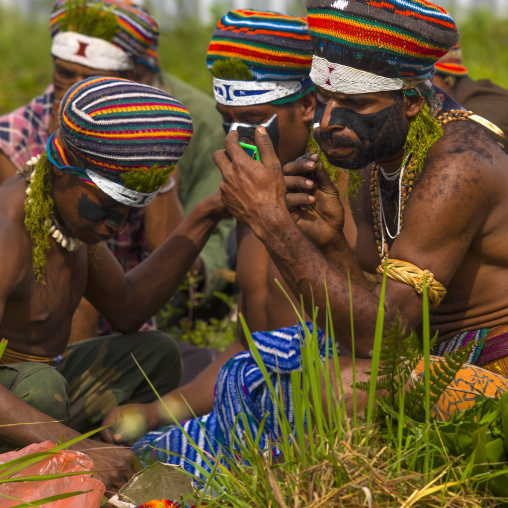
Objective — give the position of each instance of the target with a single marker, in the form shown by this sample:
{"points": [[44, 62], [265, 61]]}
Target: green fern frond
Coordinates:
{"points": [[147, 180], [93, 20], [441, 375], [232, 68]]}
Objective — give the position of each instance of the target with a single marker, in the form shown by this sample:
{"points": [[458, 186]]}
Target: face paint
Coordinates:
{"points": [[246, 131], [92, 212], [389, 130], [367, 127], [227, 127]]}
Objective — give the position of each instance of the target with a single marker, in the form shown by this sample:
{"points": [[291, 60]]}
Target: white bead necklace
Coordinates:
{"points": [[68, 243]]}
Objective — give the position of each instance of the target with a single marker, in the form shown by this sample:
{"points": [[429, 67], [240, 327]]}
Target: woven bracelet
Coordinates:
{"points": [[409, 274]]}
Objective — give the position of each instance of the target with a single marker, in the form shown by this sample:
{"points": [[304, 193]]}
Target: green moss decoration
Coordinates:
{"points": [[355, 179], [232, 68], [148, 180], [424, 131], [38, 210], [92, 20]]}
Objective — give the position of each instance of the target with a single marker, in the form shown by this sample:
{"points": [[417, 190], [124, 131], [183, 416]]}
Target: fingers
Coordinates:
{"points": [[107, 435], [222, 161], [298, 183], [299, 199], [233, 148], [265, 147], [304, 165]]}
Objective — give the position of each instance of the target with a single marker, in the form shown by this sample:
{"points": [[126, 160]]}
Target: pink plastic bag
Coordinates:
{"points": [[64, 462]]}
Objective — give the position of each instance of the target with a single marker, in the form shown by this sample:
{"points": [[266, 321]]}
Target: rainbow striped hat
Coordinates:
{"points": [[121, 136], [116, 34], [275, 51], [451, 63], [366, 46]]}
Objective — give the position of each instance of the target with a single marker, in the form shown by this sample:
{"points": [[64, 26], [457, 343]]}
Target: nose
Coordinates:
{"points": [[325, 124]]}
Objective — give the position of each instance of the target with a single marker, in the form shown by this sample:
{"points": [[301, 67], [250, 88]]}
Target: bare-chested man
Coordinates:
{"points": [[435, 200], [287, 111], [101, 163]]}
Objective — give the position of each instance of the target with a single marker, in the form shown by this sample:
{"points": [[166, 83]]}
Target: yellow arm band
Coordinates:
{"points": [[409, 274]]}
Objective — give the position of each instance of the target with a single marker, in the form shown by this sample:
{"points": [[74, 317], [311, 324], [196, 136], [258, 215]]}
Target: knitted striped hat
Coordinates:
{"points": [[102, 34], [373, 46], [123, 137], [258, 57], [451, 63]]}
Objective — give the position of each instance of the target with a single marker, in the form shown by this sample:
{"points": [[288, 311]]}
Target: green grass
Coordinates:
{"points": [[27, 65]]}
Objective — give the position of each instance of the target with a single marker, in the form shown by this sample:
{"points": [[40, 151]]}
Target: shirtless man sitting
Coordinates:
{"points": [[434, 196], [287, 111], [76, 195]]}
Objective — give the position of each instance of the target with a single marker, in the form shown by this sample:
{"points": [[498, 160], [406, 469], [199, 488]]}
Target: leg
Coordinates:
{"points": [[39, 385], [346, 371], [102, 374]]}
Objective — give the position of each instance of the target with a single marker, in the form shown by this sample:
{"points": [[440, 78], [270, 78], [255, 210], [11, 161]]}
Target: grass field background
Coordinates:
{"points": [[26, 64]]}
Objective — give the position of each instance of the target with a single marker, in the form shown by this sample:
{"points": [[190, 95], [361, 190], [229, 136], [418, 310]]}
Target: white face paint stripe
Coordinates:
{"points": [[247, 93], [120, 193], [234, 126]]}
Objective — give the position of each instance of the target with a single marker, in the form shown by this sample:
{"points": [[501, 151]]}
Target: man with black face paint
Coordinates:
{"points": [[279, 96], [433, 202]]}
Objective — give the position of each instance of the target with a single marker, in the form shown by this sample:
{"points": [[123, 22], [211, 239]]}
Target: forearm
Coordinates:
{"points": [[309, 272], [154, 281], [197, 397], [21, 424]]}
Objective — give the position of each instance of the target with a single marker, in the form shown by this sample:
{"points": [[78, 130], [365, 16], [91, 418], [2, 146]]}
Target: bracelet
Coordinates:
{"points": [[168, 186], [409, 274]]}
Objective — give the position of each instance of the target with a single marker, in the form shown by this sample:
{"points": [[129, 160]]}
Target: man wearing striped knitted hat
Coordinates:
{"points": [[433, 201], [116, 145], [482, 96]]}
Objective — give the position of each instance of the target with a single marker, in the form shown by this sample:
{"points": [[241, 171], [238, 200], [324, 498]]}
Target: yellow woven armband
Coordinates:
{"points": [[409, 274]]}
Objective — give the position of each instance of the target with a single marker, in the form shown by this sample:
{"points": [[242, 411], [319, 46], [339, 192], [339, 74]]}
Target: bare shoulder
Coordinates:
{"points": [[7, 168]]}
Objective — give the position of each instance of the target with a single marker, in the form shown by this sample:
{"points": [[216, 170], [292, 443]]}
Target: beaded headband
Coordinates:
{"points": [[90, 51], [247, 93], [339, 78]]}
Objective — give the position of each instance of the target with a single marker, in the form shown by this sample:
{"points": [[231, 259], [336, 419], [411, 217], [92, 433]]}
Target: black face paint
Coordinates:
{"points": [[377, 134], [246, 131], [92, 212], [227, 127], [367, 127]]}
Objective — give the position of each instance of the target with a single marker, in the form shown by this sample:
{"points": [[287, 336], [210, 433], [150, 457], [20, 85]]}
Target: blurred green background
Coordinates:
{"points": [[25, 61]]}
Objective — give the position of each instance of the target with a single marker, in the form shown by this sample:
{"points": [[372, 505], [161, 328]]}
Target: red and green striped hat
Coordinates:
{"points": [[451, 63], [399, 39], [82, 30], [274, 48], [115, 131]]}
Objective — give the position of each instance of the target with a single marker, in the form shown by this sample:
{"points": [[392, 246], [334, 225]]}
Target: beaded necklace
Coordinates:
{"points": [[68, 243], [407, 179]]}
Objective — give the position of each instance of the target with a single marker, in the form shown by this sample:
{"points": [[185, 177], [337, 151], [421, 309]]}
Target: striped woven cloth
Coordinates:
{"points": [[240, 389], [392, 38], [451, 63]]}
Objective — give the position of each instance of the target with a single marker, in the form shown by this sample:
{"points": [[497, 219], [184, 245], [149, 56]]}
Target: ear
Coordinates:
{"points": [[412, 105], [57, 171], [309, 106]]}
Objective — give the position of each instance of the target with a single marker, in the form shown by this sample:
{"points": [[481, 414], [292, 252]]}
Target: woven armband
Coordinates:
{"points": [[411, 275]]}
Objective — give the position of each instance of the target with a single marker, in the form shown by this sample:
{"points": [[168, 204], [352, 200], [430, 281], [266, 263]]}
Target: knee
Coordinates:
{"points": [[46, 390]]}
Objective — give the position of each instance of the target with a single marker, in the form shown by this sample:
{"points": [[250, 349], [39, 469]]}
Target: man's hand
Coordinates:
{"points": [[254, 192], [114, 465], [218, 209], [321, 219], [128, 423]]}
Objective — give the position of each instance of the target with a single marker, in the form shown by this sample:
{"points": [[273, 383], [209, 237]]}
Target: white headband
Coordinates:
{"points": [[91, 52], [339, 78], [247, 93], [120, 193]]}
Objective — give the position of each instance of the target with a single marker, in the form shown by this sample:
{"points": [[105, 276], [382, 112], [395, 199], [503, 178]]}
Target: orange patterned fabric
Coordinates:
{"points": [[461, 394]]}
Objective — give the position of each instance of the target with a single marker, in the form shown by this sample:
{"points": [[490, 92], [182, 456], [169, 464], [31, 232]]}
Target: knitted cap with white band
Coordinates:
{"points": [[339, 78], [120, 193], [247, 93], [90, 52]]}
